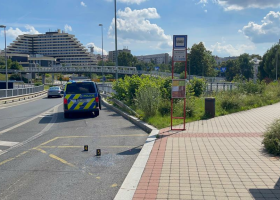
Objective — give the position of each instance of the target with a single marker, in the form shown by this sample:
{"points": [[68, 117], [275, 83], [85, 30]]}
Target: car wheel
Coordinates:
{"points": [[96, 113], [66, 115], [49, 96]]}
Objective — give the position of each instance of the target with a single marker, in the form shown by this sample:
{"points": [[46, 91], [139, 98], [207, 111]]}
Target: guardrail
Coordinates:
{"points": [[20, 91], [106, 88]]}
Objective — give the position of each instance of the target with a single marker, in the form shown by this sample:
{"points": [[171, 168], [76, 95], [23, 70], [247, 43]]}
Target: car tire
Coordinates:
{"points": [[96, 113], [49, 96], [66, 115]]}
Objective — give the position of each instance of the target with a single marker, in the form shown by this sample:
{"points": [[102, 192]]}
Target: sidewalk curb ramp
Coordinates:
{"points": [[129, 186]]}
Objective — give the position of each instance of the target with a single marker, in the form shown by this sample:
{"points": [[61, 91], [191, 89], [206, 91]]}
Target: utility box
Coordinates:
{"points": [[210, 107], [3, 85]]}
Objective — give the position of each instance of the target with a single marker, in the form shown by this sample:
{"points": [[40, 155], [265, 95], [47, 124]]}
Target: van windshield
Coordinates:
{"points": [[80, 88]]}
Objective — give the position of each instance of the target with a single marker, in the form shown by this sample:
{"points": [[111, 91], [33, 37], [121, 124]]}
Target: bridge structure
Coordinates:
{"points": [[97, 69]]}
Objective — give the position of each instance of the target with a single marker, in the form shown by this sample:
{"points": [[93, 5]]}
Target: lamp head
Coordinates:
{"points": [[2, 26]]}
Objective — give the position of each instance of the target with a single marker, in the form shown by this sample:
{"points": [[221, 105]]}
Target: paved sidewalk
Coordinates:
{"points": [[220, 158]]}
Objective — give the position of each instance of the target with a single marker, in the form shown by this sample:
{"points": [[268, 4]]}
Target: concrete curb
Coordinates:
{"points": [[129, 186]]}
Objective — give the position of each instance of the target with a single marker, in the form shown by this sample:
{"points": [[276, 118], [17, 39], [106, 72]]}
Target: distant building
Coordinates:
{"points": [[256, 63], [112, 54], [163, 58], [55, 47], [220, 60]]}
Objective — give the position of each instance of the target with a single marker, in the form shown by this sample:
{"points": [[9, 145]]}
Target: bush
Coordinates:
{"points": [[198, 86], [251, 88], [271, 139], [164, 107], [230, 101], [148, 99]]}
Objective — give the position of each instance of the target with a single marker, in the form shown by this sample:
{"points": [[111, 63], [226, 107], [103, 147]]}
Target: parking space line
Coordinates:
{"points": [[132, 135], [10, 159], [53, 147], [62, 160]]}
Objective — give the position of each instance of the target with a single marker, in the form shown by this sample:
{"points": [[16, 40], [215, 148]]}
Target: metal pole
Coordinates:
{"points": [[116, 45], [277, 60], [102, 54]]}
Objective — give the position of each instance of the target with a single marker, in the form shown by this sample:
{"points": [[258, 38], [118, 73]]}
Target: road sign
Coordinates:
{"points": [[179, 56], [180, 41], [179, 88], [223, 69]]}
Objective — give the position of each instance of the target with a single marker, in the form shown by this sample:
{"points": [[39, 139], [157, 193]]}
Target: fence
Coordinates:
{"points": [[216, 87], [20, 91], [107, 88]]}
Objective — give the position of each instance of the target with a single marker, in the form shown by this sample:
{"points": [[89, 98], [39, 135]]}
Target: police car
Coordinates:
{"points": [[81, 96]]}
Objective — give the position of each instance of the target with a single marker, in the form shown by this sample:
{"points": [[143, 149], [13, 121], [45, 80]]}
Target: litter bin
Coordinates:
{"points": [[210, 106]]}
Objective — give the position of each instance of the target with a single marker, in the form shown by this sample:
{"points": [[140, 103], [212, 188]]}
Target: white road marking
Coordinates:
{"points": [[7, 143], [38, 134], [25, 122]]}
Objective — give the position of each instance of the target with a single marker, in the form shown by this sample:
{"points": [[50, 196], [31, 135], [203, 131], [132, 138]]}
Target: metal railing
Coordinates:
{"points": [[217, 87], [20, 91], [106, 88]]}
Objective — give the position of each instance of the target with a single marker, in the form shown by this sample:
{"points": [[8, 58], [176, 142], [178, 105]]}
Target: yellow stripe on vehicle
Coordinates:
{"points": [[70, 105], [76, 96], [78, 106], [89, 103], [67, 96]]}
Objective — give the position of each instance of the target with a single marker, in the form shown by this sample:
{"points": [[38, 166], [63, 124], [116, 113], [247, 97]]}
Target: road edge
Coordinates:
{"points": [[130, 183]]}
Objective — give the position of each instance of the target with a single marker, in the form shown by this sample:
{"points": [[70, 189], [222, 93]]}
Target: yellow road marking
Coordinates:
{"points": [[10, 159], [5, 161], [49, 141], [114, 185], [41, 150], [61, 160], [61, 146], [97, 177]]}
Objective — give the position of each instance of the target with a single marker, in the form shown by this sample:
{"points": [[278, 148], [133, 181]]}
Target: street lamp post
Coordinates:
{"points": [[116, 44], [3, 26], [277, 60], [102, 54]]}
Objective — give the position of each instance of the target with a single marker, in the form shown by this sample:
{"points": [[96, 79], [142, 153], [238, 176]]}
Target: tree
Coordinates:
{"points": [[246, 66], [202, 61], [15, 65], [267, 68], [126, 59], [232, 69]]}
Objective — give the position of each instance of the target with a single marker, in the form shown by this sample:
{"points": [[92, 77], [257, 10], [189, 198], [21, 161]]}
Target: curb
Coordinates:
{"points": [[130, 183]]}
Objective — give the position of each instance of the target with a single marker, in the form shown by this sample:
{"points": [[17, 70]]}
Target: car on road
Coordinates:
{"points": [[54, 91], [81, 97]]}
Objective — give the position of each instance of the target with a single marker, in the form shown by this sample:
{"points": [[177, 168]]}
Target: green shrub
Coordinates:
{"points": [[164, 107], [271, 139], [148, 99], [37, 83], [230, 101], [250, 87], [198, 86]]}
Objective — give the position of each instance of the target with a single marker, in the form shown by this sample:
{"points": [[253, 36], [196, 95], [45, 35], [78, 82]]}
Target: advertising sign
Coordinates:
{"points": [[180, 41], [179, 88], [179, 56]]}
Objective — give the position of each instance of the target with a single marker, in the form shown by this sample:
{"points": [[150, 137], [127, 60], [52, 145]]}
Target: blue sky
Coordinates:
{"points": [[226, 27]]}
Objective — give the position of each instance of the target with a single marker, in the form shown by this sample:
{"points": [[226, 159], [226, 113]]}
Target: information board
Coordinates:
{"points": [[179, 56], [180, 41], [179, 88]]}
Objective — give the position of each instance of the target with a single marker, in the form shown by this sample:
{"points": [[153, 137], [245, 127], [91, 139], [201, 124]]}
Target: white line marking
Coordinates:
{"points": [[7, 143], [29, 120], [38, 134]]}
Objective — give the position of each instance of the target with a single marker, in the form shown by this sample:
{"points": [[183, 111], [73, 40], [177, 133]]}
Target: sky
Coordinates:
{"points": [[226, 27]]}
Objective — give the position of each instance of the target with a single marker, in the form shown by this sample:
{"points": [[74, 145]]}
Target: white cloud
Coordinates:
{"points": [[267, 31], [83, 4], [231, 50], [133, 25], [205, 11], [67, 28], [13, 33], [130, 1], [203, 2], [97, 49], [243, 4]]}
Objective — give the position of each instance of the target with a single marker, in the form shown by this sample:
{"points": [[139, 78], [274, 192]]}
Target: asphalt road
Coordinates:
{"points": [[44, 158]]}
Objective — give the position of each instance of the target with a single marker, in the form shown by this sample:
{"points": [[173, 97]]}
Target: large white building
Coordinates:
{"points": [[63, 47], [156, 58]]}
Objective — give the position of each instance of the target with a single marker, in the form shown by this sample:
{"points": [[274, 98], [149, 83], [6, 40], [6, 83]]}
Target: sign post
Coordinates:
{"points": [[179, 85]]}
